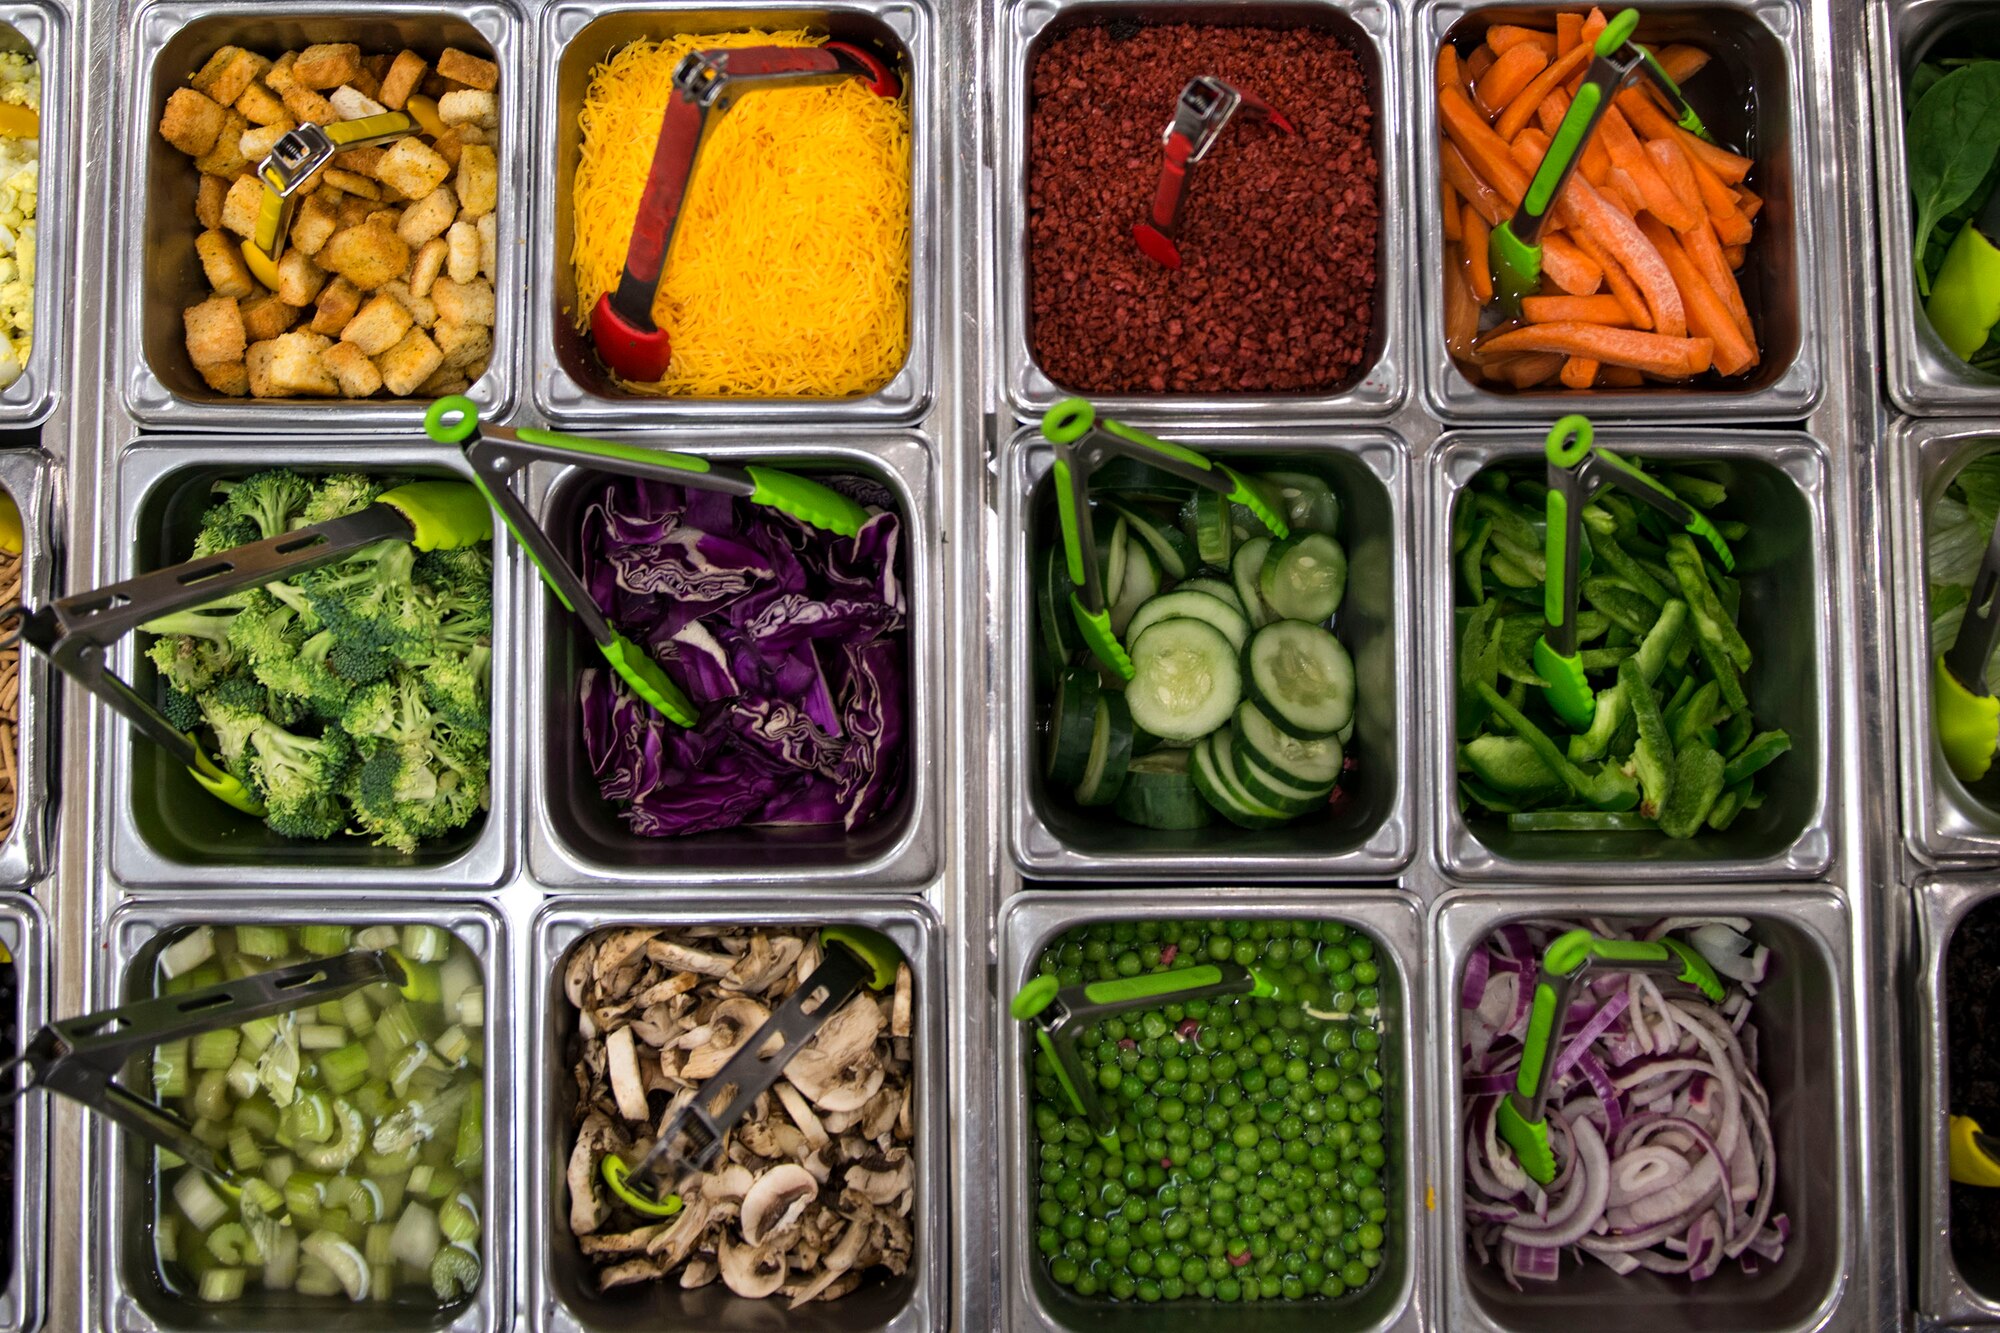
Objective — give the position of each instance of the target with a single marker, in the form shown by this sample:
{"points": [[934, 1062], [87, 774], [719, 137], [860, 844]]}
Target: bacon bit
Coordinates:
{"points": [[1127, 1044], [1166, 1163], [1189, 1029], [1338, 800], [1239, 1259], [1349, 763], [1168, 954]]}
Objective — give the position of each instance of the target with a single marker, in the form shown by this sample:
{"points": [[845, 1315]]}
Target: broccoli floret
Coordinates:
{"points": [[401, 800], [234, 710], [266, 631], [465, 570], [223, 528], [181, 709], [338, 494], [270, 499], [307, 677], [391, 709], [301, 775], [191, 664], [455, 688]]}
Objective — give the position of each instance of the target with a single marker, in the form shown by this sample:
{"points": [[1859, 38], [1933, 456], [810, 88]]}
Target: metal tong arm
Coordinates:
{"points": [[1670, 92], [1613, 61], [1979, 632], [1604, 469]]}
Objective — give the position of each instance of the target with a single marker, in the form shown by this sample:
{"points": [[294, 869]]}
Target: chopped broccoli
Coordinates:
{"points": [[307, 677], [191, 664], [181, 709], [269, 499], [222, 527], [267, 630], [234, 710], [455, 688], [339, 494], [299, 772], [400, 799], [391, 709]]}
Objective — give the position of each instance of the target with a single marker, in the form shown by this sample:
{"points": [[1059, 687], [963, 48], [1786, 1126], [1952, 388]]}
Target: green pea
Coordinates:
{"points": [[1064, 1271]]}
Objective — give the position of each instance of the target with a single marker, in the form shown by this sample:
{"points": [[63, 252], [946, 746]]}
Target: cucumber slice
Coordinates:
{"points": [[1186, 680], [1171, 549], [1110, 752], [1158, 793], [1213, 769], [1053, 619], [1183, 604], [1311, 765], [1307, 503], [1142, 582], [1215, 588], [1214, 537], [1304, 577], [1072, 721], [1111, 556], [1346, 734], [1262, 785], [1302, 676], [1244, 573]]}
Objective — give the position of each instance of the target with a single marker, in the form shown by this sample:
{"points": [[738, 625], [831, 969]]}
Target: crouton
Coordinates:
{"points": [[241, 205], [265, 316], [412, 167], [366, 256], [208, 198], [477, 370], [376, 65], [338, 301], [328, 64], [469, 70], [470, 107], [231, 377], [257, 366], [451, 143], [405, 73], [429, 216], [214, 331], [191, 122], [409, 363], [424, 269], [364, 161], [309, 107], [351, 367], [353, 104], [378, 326], [227, 73], [478, 180], [312, 225], [443, 380], [227, 158], [489, 248], [353, 210], [353, 183], [299, 279], [283, 76], [464, 302], [255, 144], [463, 259], [368, 83], [261, 106], [436, 86], [421, 308], [296, 367], [223, 264], [462, 343]]}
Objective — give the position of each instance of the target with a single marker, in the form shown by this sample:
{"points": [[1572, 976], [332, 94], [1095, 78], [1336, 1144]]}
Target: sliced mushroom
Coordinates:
{"points": [[576, 976], [620, 956], [631, 1271], [754, 1271], [659, 1025], [763, 963], [699, 1272], [683, 958], [587, 1209], [899, 1007], [884, 1185], [777, 1201], [905, 1127], [839, 1068], [835, 1263], [880, 1114], [622, 1242], [626, 1085], [728, 1185], [732, 1024], [677, 1242], [801, 1112]]}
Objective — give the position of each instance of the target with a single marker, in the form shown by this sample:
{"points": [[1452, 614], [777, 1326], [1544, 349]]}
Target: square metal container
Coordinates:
{"points": [[1804, 1021], [47, 30], [119, 1245], [1029, 1299], [1925, 377], [24, 933], [571, 385], [1779, 484], [28, 475], [1374, 29], [1372, 836], [562, 1298], [1760, 44], [158, 273], [165, 830], [577, 839]]}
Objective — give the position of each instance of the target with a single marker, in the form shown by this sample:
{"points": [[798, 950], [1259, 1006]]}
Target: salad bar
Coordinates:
{"points": [[1032, 665]]}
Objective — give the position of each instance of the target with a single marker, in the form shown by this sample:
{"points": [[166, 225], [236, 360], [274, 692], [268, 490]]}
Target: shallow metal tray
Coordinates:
{"points": [[48, 29], [28, 476], [24, 933]]}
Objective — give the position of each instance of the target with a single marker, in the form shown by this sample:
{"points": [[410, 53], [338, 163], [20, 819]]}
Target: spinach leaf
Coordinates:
{"points": [[1922, 80], [1954, 136]]}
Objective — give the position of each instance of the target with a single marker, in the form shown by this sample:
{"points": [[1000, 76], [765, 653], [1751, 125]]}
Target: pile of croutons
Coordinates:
{"points": [[386, 282]]}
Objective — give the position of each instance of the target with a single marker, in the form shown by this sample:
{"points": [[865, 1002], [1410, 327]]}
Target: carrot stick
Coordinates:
{"points": [[1530, 145], [1623, 191], [1585, 210], [1485, 150], [1458, 173], [1596, 163], [1451, 203], [1574, 309], [1735, 254], [1653, 353], [1508, 75], [1522, 108], [1579, 372], [1619, 377], [1672, 162], [1731, 167], [1461, 307], [1709, 256], [1569, 268], [1735, 229], [1716, 197], [1750, 201], [1477, 64], [1681, 62], [1619, 282], [1626, 152], [1525, 372], [1569, 31], [1504, 37], [1549, 115], [1479, 263], [1707, 316], [1449, 74]]}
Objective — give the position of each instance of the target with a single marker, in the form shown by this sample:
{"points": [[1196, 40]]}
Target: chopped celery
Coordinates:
{"points": [[188, 952], [375, 1246], [208, 974], [381, 1282], [453, 1045], [396, 1026], [459, 1219], [357, 1014], [260, 1195], [374, 1099], [167, 1238], [222, 1285], [331, 1013], [258, 1033], [405, 1066], [346, 1068], [458, 974], [415, 1241], [368, 1203], [343, 1146], [230, 1243], [170, 1069], [340, 1258], [377, 937], [211, 1132], [471, 1007], [263, 941], [215, 1050], [420, 983], [469, 1152], [336, 1191], [324, 941], [302, 1197], [315, 1278], [278, 1168], [198, 1201], [278, 1066], [211, 1095], [244, 1153], [310, 1118], [241, 1076], [426, 944], [168, 1160], [454, 1273], [382, 1165], [420, 1179], [281, 1260], [321, 1036], [389, 1188]]}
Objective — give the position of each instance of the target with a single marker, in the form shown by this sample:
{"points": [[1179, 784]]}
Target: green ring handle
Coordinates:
{"points": [[1095, 626], [1968, 724], [1034, 997], [617, 1178], [444, 515], [871, 947], [1568, 691], [1247, 495], [1696, 970], [1569, 440], [1617, 32], [1069, 421], [456, 432]]}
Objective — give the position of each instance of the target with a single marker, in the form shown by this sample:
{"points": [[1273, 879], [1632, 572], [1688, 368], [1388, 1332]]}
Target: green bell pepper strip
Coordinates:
{"points": [[1698, 774], [1763, 748], [1964, 303], [1653, 756], [1612, 705], [1607, 789]]}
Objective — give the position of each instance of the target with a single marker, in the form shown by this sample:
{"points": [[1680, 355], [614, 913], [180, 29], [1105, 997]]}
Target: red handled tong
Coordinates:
{"points": [[704, 82], [1207, 105]]}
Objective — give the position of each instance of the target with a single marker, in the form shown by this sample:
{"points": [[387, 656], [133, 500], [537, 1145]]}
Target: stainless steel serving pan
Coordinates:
{"points": [[1373, 834], [562, 1299], [120, 1237], [165, 829], [578, 840], [24, 935], [1760, 45], [48, 30], [29, 476], [571, 386], [155, 266], [1779, 484], [1375, 29], [1396, 1299], [1804, 1029]]}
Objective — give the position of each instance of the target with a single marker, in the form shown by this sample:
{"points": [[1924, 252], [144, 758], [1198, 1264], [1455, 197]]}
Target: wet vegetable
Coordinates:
{"points": [[1959, 527], [1257, 1153], [1952, 141], [1972, 1006]]}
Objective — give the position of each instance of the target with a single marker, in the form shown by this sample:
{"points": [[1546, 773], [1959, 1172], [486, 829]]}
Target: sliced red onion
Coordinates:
{"points": [[1485, 1085], [1573, 1219], [1515, 937], [1599, 1023], [1643, 1171], [1477, 969], [1607, 1092]]}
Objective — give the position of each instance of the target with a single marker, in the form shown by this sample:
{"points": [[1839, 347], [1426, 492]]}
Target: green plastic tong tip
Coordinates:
{"points": [[1557, 660]]}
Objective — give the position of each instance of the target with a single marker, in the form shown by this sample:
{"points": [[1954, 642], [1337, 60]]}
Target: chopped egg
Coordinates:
{"points": [[20, 183]]}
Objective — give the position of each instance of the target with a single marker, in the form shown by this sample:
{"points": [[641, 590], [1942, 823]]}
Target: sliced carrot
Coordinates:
{"points": [[1672, 162], [1461, 307], [1530, 145], [1486, 151], [1619, 282], [1652, 353], [1596, 163], [1477, 64], [1504, 37], [1707, 316], [1478, 259], [1569, 31], [1681, 62], [1576, 309], [1619, 377], [1623, 191], [1450, 203], [1569, 268], [1525, 372], [1458, 173], [1512, 72], [1549, 115], [1522, 108], [1735, 254], [1449, 73], [1589, 212], [1733, 229], [1750, 202], [1580, 372], [1713, 261], [1732, 167], [1627, 153]]}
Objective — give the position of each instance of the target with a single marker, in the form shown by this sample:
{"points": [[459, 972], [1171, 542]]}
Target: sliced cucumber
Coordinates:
{"points": [[1212, 767], [1110, 752], [1111, 557], [1186, 680], [1142, 581], [1302, 676], [1313, 765], [1134, 479], [1214, 537], [1307, 503], [1244, 573], [1346, 734], [1215, 588], [1171, 549], [1158, 793], [1304, 577], [1270, 788], [1072, 722], [1052, 617], [1182, 604]]}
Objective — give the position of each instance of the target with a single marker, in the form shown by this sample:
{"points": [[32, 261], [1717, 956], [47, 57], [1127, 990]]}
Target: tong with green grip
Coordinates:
{"points": [[1670, 92], [1523, 1116], [496, 453], [1061, 1014], [76, 633], [1968, 716], [1083, 443]]}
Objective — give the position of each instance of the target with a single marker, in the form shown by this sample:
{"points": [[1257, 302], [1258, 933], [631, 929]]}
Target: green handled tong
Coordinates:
{"points": [[1062, 1014], [76, 633], [854, 957], [1670, 92], [496, 453], [1083, 443], [81, 1058], [1524, 1110], [1577, 472], [1968, 716]]}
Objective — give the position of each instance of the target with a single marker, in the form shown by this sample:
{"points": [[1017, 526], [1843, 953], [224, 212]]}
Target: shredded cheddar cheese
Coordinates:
{"points": [[790, 271]]}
